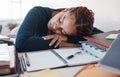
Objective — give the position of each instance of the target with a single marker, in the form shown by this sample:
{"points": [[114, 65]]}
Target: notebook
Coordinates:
{"points": [[111, 36], [111, 60], [62, 57]]}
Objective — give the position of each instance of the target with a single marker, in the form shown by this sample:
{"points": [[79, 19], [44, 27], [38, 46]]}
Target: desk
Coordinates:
{"points": [[71, 71]]}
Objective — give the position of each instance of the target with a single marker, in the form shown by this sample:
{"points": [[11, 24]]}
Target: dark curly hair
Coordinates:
{"points": [[84, 20]]}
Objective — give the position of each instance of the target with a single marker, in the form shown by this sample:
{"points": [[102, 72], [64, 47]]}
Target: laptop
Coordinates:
{"points": [[111, 60]]}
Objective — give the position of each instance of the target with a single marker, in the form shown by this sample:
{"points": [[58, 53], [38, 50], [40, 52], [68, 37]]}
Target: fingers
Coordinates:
{"points": [[56, 37], [58, 43], [48, 37]]}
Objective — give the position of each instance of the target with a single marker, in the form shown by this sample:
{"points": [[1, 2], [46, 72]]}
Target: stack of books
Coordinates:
{"points": [[3, 37], [8, 60]]}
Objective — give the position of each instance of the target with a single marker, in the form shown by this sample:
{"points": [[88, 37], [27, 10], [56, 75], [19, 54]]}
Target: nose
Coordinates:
{"points": [[57, 28]]}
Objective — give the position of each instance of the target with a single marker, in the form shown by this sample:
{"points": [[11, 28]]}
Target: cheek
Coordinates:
{"points": [[71, 30]]}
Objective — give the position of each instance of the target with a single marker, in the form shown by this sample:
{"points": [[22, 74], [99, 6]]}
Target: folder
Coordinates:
{"points": [[45, 73], [92, 70]]}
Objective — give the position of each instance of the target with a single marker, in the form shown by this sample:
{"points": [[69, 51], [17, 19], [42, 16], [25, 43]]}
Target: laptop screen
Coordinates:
{"points": [[111, 61]]}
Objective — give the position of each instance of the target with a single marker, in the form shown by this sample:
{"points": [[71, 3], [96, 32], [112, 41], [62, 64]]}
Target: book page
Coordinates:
{"points": [[4, 54], [78, 59], [12, 55], [42, 60]]}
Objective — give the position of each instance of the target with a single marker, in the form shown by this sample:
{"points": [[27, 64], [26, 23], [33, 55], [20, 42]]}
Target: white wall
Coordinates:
{"points": [[107, 12]]}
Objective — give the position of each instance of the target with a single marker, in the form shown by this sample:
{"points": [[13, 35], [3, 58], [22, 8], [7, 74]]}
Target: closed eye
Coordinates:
{"points": [[61, 19]]}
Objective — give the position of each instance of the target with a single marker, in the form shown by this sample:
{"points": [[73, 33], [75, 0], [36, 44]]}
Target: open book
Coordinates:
{"points": [[62, 57]]}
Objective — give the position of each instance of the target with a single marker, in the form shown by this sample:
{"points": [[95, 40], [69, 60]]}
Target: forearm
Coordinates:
{"points": [[68, 44], [33, 44]]}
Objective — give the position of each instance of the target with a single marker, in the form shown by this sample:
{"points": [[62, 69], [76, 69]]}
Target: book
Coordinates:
{"points": [[111, 36], [3, 37], [97, 41], [45, 73], [111, 60], [62, 57], [4, 55], [92, 70], [12, 69], [7, 59]]}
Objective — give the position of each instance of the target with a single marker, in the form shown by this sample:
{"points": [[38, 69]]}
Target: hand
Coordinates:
{"points": [[56, 38]]}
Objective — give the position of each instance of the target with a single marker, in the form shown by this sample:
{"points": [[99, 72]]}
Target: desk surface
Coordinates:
{"points": [[65, 72], [71, 71]]}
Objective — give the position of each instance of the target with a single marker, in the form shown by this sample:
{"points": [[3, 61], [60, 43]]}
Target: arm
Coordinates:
{"points": [[34, 26], [35, 43], [60, 40]]}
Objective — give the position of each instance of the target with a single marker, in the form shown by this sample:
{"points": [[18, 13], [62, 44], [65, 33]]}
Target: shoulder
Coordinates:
{"points": [[40, 8]]}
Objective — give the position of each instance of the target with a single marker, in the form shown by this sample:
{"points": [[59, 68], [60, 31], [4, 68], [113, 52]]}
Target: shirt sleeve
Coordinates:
{"points": [[36, 43], [75, 39]]}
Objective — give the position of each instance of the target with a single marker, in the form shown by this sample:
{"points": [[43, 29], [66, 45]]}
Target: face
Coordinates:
{"points": [[63, 23]]}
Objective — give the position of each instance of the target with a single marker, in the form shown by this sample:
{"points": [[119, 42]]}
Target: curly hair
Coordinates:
{"points": [[84, 20]]}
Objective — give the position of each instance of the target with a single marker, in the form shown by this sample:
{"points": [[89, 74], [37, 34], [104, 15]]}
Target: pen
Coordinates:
{"points": [[27, 60], [71, 56]]}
